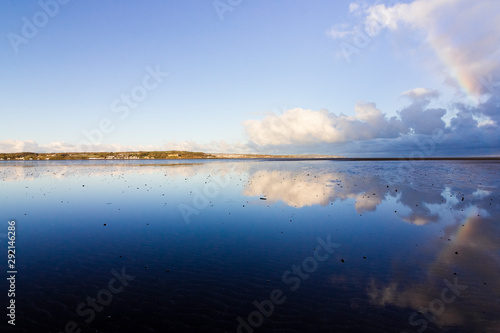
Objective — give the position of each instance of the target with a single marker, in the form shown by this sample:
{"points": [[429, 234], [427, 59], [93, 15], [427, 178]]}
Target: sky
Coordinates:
{"points": [[414, 78]]}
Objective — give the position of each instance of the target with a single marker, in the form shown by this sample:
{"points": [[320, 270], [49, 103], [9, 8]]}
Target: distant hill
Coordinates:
{"points": [[141, 155], [184, 155], [138, 155]]}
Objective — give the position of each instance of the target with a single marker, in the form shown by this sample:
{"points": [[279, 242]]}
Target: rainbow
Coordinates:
{"points": [[455, 63]]}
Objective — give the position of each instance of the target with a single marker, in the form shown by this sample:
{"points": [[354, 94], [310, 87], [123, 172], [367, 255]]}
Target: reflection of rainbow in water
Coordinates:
{"points": [[466, 230], [464, 235]]}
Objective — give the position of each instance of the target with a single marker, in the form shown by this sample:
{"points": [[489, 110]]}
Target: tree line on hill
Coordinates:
{"points": [[172, 154]]}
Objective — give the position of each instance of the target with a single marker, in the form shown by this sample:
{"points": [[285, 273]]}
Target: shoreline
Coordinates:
{"points": [[175, 155], [284, 159]]}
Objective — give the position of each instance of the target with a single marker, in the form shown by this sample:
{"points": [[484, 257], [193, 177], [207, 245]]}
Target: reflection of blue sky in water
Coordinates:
{"points": [[408, 224]]}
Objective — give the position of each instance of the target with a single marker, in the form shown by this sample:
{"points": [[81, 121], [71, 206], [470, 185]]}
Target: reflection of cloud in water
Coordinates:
{"points": [[307, 188], [310, 188], [472, 257], [480, 193], [366, 203], [426, 199], [296, 190]]}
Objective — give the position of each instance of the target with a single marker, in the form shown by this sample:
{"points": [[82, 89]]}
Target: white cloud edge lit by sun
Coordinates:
{"points": [[421, 93]]}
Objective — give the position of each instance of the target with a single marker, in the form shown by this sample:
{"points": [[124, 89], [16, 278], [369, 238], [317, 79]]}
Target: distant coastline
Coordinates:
{"points": [[187, 155], [143, 155]]}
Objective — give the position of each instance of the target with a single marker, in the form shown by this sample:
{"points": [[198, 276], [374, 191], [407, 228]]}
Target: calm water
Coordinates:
{"points": [[259, 246]]}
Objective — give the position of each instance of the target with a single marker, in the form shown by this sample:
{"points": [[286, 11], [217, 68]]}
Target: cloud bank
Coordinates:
{"points": [[299, 126], [472, 131]]}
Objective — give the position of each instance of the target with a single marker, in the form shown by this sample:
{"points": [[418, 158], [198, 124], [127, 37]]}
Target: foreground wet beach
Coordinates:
{"points": [[263, 245]]}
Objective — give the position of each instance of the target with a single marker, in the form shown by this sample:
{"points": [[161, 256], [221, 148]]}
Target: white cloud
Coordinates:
{"points": [[18, 146], [421, 93], [353, 7], [463, 34], [299, 126]]}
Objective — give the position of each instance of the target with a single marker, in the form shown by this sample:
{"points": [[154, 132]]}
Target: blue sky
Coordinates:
{"points": [[325, 77]]}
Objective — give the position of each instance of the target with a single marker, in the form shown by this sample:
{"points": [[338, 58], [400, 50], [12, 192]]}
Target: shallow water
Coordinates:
{"points": [[209, 245]]}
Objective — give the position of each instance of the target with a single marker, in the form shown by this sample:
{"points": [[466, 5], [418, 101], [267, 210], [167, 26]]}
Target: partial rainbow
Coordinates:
{"points": [[451, 58]]}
